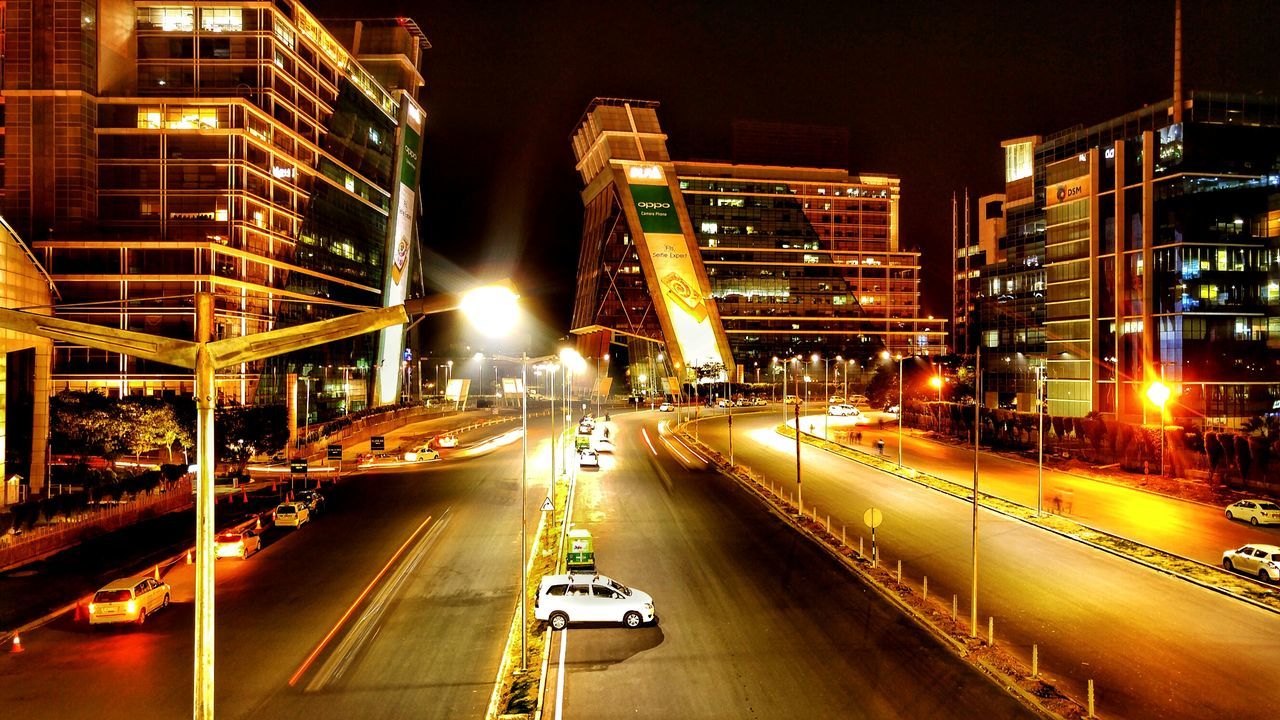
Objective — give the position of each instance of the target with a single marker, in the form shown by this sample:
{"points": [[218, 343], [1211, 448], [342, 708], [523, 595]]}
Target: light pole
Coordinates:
{"points": [[902, 411], [936, 382], [206, 357], [1040, 403], [826, 389], [977, 431], [1158, 393]]}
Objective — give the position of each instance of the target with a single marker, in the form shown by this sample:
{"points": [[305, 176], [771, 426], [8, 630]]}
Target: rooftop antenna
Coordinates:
{"points": [[1177, 61]]}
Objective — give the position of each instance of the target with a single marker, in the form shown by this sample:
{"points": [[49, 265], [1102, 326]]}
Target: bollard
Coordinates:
{"points": [[926, 587], [991, 631], [1091, 698], [1035, 661], [860, 553], [899, 572], [953, 608], [828, 524], [842, 542]]}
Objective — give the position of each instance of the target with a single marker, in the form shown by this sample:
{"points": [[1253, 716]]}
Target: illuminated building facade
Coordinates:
{"points": [[782, 261], [157, 149], [1159, 237]]}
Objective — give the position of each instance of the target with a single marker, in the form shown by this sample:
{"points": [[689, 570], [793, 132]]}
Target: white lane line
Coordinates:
{"points": [[564, 641]]}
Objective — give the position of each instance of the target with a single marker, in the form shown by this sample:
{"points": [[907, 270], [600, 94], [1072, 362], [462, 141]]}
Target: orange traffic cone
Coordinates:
{"points": [[17, 645], [79, 614], [257, 523], [189, 558], [157, 573], [244, 496]]}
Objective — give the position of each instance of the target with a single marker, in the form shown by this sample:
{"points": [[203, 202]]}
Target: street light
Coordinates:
{"points": [[936, 382], [901, 410], [1158, 393], [1040, 408]]}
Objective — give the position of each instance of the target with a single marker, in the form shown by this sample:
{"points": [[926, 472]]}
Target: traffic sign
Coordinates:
{"points": [[298, 466], [872, 518], [547, 505], [333, 452], [377, 442]]}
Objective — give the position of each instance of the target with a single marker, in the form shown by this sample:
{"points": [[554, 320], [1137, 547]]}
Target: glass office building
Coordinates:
{"points": [[1161, 253], [159, 149], [767, 261]]}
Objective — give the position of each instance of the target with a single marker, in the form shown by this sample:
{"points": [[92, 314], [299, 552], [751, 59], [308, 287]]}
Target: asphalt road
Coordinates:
{"points": [[1156, 646], [433, 651], [1190, 529], [753, 621]]}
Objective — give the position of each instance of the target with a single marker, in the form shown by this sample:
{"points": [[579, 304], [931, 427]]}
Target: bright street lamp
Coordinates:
{"points": [[492, 309], [1158, 394], [936, 382]]}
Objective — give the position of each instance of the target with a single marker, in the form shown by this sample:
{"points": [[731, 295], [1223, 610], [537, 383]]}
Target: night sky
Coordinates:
{"points": [[927, 90]]}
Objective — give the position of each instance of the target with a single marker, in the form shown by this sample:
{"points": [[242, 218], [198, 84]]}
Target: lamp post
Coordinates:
{"points": [[206, 357], [902, 411], [1040, 403], [1158, 393], [799, 487], [936, 382], [977, 430], [826, 389]]}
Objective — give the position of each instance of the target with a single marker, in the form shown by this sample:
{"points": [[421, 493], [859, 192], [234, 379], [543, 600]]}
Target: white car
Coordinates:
{"points": [[759, 402], [447, 441], [843, 410], [128, 600], [666, 407], [292, 514], [603, 444], [237, 543], [1260, 560], [836, 400], [723, 403], [422, 453], [1257, 512], [588, 458], [563, 599]]}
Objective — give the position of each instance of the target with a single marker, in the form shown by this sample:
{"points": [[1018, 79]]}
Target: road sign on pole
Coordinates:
{"points": [[377, 443], [547, 505], [298, 466], [333, 452], [873, 517]]}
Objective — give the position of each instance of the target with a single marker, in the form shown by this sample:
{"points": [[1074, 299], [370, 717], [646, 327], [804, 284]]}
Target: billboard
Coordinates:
{"points": [[400, 236], [677, 284]]}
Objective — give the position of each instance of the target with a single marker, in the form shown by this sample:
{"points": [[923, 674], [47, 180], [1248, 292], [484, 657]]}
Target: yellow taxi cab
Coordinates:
{"points": [[128, 601]]}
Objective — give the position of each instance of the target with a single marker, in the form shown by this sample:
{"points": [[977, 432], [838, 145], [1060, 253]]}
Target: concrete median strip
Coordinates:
{"points": [[1207, 576], [1003, 668]]}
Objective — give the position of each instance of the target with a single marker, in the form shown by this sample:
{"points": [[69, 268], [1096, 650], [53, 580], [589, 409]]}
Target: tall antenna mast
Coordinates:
{"points": [[1177, 61]]}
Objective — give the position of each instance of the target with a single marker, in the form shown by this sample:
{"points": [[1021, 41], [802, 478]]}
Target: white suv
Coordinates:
{"points": [[563, 599], [843, 410], [1260, 560]]}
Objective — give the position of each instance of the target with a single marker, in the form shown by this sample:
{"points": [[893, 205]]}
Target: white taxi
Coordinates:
{"points": [[1254, 511], [128, 601], [1260, 560]]}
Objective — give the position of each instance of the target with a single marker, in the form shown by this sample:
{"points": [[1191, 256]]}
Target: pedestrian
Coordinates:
{"points": [[857, 437], [880, 446]]}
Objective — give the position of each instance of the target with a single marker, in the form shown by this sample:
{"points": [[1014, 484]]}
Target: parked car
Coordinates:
{"points": [[588, 458], [723, 402], [313, 500], [1256, 512], [791, 399], [666, 407], [1260, 560], [835, 400], [381, 458], [759, 402], [843, 410], [128, 600], [237, 543], [891, 410], [292, 514], [447, 441], [603, 444], [563, 599], [421, 453]]}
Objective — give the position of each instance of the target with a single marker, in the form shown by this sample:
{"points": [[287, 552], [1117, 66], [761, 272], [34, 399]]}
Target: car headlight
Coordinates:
{"points": [[648, 606]]}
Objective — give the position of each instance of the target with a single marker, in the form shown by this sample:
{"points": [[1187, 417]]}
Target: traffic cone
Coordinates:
{"points": [[189, 558], [157, 573], [257, 526], [244, 496], [17, 645], [79, 613]]}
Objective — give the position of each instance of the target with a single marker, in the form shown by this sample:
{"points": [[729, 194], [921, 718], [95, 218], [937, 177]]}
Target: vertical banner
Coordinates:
{"points": [[399, 246]]}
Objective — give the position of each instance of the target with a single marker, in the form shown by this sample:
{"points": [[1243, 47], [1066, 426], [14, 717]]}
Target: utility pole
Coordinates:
{"points": [[977, 431]]}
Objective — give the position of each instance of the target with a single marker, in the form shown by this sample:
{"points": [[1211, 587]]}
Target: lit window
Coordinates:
{"points": [[374, 137], [710, 227], [169, 18], [221, 20], [149, 118], [284, 32], [811, 259]]}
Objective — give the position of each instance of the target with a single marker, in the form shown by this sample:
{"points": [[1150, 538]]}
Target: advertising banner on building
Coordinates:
{"points": [[1067, 190], [678, 287], [400, 239]]}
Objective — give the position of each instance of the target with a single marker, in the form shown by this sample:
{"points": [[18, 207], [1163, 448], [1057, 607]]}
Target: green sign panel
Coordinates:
{"points": [[656, 209], [409, 157]]}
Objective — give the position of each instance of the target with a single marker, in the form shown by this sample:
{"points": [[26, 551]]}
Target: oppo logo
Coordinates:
{"points": [[654, 205]]}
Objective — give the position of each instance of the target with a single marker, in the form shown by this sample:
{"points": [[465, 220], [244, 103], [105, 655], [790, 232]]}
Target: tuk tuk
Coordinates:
{"points": [[581, 442], [580, 554]]}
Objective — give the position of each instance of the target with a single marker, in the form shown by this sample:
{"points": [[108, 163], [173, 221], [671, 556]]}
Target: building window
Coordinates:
{"points": [[710, 227], [169, 18], [811, 259], [221, 20], [990, 338]]}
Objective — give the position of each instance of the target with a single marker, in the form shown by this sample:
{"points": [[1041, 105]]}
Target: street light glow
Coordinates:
{"points": [[492, 309], [572, 360], [936, 382], [1158, 393]]}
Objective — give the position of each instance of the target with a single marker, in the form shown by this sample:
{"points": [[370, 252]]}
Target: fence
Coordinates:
{"points": [[44, 540]]}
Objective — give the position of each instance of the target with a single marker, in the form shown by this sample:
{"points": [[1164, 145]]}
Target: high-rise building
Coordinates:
{"points": [[157, 149], [1150, 247], [746, 262]]}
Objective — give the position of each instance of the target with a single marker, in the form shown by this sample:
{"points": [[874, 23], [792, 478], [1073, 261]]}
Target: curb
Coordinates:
{"points": [[844, 452]]}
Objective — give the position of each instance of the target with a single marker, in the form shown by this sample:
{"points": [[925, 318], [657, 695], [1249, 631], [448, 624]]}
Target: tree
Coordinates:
{"points": [[1244, 458], [882, 384], [1213, 451]]}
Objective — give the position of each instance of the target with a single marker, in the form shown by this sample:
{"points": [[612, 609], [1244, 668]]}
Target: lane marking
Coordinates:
{"points": [[351, 610], [564, 641], [645, 433], [672, 449]]}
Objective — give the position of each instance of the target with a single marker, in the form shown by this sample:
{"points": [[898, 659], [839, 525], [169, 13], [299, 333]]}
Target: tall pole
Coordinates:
{"points": [[826, 387], [799, 487], [203, 695], [902, 411], [1161, 409], [977, 430], [1040, 462], [524, 485], [551, 390]]}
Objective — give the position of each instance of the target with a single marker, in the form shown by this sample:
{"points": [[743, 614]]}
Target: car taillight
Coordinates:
{"points": [[131, 607], [92, 608]]}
